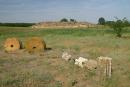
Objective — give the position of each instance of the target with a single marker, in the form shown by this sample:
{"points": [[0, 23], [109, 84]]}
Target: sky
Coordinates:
{"points": [[54, 10]]}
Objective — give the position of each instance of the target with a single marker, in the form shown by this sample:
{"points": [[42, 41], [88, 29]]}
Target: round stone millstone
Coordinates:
{"points": [[12, 44]]}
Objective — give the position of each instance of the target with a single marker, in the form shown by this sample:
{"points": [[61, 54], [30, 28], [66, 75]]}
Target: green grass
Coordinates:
{"points": [[49, 70]]}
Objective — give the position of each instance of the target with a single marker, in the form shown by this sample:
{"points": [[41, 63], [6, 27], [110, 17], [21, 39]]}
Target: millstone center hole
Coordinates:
{"points": [[34, 47], [11, 45]]}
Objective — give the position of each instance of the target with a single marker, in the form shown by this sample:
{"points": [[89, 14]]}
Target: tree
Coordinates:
{"points": [[64, 20], [109, 23], [73, 20], [101, 21], [119, 25], [126, 22]]}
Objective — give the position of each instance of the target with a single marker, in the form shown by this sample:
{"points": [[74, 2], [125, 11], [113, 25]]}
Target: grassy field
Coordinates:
{"points": [[49, 70]]}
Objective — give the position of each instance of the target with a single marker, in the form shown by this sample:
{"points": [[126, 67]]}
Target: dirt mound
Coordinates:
{"points": [[63, 25]]}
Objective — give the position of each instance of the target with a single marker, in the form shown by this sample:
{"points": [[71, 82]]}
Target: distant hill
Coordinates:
{"points": [[63, 25]]}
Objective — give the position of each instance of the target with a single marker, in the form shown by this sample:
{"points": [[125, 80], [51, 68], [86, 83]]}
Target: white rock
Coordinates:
{"points": [[81, 61], [104, 58], [66, 56]]}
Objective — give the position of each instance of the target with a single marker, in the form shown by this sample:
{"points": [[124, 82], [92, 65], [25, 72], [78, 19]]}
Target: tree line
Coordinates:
{"points": [[102, 21], [17, 24]]}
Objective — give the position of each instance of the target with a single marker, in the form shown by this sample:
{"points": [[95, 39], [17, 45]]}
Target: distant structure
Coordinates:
{"points": [[64, 25]]}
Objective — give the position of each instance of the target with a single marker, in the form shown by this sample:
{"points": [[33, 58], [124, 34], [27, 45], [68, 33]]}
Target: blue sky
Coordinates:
{"points": [[54, 10]]}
